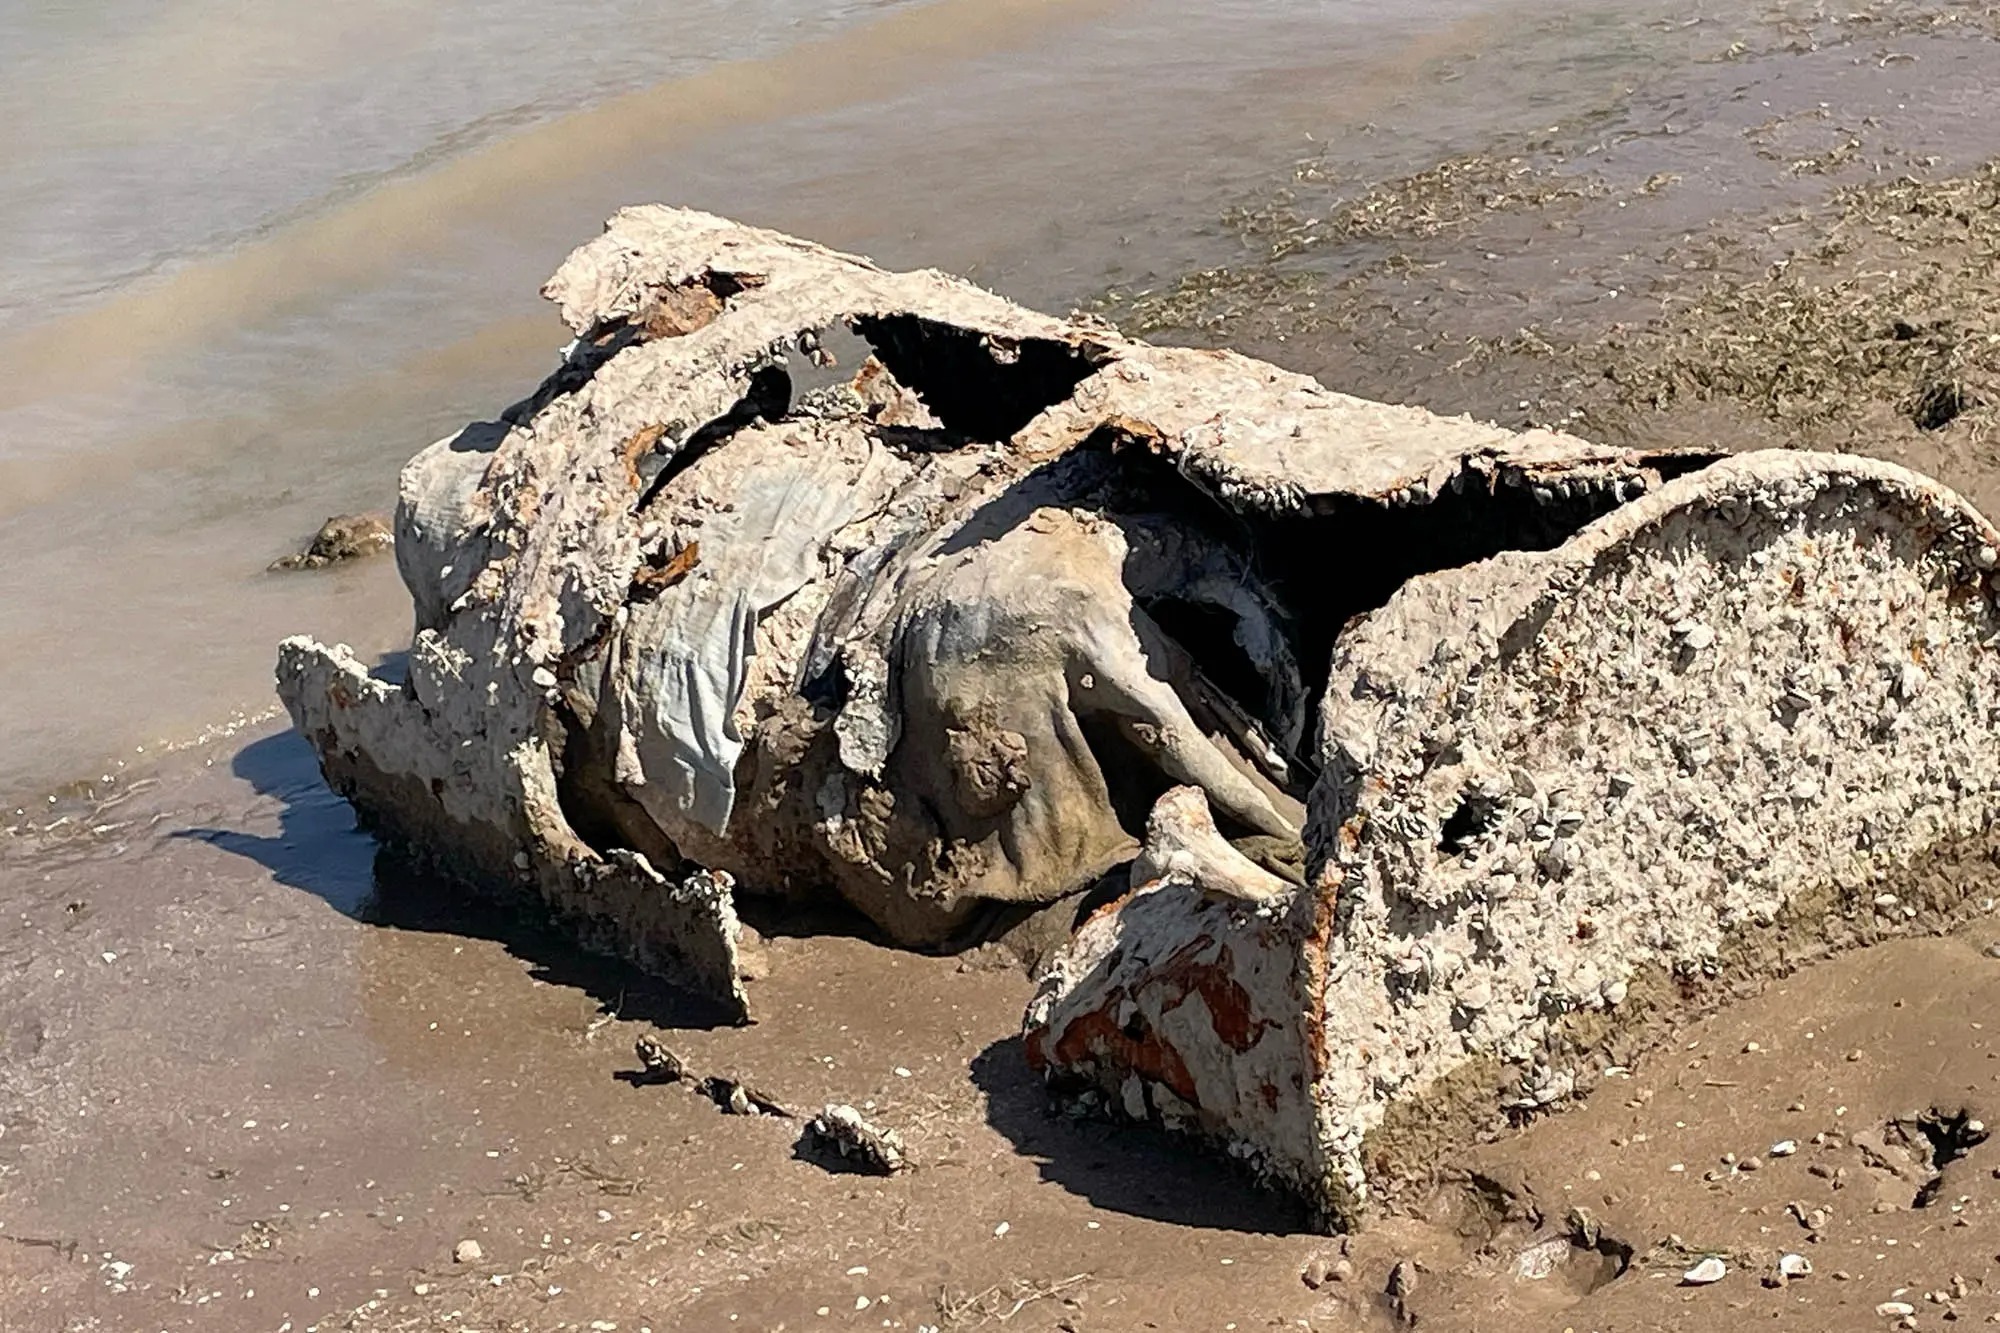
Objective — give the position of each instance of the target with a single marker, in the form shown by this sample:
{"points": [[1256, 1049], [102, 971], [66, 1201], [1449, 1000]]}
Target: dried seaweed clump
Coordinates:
{"points": [[1894, 306], [1275, 290]]}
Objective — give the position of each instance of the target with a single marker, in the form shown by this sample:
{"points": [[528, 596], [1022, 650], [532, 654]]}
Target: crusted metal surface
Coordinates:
{"points": [[868, 644], [1698, 738]]}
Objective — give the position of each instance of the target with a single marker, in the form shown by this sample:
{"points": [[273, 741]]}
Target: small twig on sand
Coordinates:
{"points": [[61, 1245], [986, 1306], [605, 1019]]}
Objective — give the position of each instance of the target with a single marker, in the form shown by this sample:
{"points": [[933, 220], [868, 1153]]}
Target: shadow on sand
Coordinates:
{"points": [[1129, 1169], [320, 850]]}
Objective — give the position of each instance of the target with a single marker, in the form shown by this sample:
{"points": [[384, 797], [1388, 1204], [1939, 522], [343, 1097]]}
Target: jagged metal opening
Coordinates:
{"points": [[1341, 557], [1475, 815], [1209, 633], [767, 397], [978, 383], [1349, 556]]}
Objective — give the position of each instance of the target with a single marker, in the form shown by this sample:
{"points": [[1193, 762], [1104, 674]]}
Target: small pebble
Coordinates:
{"points": [[1784, 1148], [1895, 1309], [467, 1252]]}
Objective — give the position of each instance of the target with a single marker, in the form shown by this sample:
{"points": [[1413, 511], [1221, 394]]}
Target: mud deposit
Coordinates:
{"points": [[254, 1079]]}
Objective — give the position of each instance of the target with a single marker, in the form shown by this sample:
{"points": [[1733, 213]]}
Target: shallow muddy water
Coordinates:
{"points": [[250, 263]]}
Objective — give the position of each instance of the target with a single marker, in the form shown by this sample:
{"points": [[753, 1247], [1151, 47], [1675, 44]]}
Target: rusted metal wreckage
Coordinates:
{"points": [[1420, 766]]}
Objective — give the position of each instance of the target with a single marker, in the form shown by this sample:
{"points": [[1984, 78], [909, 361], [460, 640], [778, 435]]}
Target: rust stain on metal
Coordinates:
{"points": [[651, 580], [676, 311], [637, 445], [1228, 1003], [1096, 1036]]}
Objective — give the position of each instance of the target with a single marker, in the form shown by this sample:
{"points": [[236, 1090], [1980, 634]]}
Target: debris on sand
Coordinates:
{"points": [[1427, 767], [735, 1097], [660, 1065], [1884, 318], [1708, 1271], [341, 538], [1443, 200], [842, 1130]]}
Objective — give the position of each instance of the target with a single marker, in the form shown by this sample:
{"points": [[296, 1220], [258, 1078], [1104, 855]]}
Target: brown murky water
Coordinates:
{"points": [[201, 361]]}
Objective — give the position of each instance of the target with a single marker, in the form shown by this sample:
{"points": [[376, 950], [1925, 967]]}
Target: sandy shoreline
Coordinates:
{"points": [[256, 1080], [282, 1088]]}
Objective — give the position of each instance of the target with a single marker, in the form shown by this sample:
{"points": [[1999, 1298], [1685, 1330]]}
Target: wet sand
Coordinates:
{"points": [[281, 1082], [251, 1082]]}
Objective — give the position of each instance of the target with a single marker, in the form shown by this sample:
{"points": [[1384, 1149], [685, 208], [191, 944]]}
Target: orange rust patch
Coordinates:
{"points": [[675, 311], [1095, 1036], [1309, 981], [651, 580], [1031, 1050], [636, 446], [1228, 1003]]}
